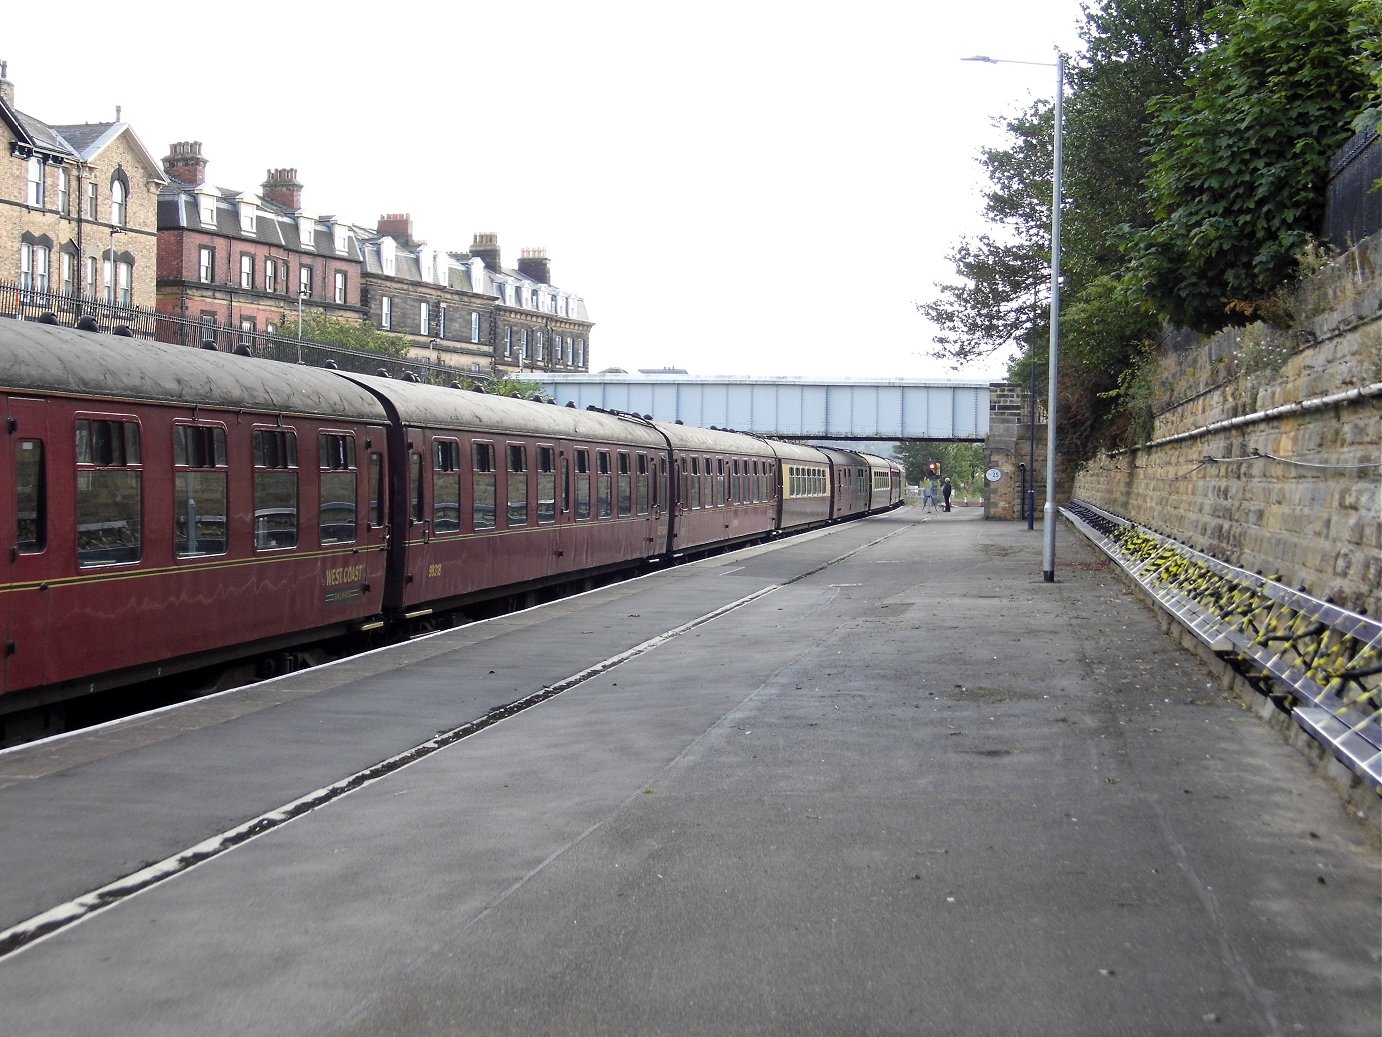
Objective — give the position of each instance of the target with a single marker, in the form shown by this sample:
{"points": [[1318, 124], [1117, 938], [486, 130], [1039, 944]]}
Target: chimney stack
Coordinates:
{"points": [[184, 163], [533, 262], [281, 186], [6, 87], [486, 247], [399, 226]]}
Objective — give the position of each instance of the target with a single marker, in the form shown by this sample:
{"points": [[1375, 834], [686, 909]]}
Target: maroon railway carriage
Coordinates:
{"points": [[885, 477], [725, 487], [804, 486], [504, 495], [169, 507], [850, 483]]}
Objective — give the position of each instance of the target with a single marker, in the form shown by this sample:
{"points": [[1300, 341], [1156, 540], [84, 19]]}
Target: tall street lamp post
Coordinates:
{"points": [[1048, 562], [302, 294]]}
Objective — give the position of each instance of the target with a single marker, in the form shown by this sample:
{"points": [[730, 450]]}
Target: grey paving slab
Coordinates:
{"points": [[917, 792]]}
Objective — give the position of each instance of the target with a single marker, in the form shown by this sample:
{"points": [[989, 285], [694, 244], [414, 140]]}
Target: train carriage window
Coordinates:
{"points": [[31, 498], [625, 486], [376, 490], [446, 486], [482, 485], [546, 485], [417, 499], [642, 489], [736, 491], [339, 486], [275, 488], [582, 484], [603, 489], [518, 484], [695, 482], [200, 473], [110, 492]]}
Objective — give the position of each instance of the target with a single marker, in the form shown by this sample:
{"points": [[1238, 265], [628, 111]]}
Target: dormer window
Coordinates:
{"points": [[338, 236], [307, 232], [249, 213], [387, 260], [206, 207]]}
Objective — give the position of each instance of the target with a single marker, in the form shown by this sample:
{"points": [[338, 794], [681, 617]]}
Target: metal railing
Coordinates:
{"points": [[67, 309], [1318, 661]]}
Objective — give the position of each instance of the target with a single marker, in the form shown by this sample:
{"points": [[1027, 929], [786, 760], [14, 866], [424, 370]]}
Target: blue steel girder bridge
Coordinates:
{"points": [[790, 408]]}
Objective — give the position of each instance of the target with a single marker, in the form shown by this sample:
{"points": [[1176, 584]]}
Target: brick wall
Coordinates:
{"points": [[1311, 512]]}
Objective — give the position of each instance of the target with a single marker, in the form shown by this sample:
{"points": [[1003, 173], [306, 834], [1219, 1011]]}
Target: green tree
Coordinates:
{"points": [[1236, 177], [335, 331], [963, 463]]}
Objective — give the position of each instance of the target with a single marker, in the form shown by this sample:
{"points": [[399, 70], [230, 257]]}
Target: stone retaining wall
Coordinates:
{"points": [[1266, 443]]}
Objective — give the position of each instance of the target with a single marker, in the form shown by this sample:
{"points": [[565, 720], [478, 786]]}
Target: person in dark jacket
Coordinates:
{"points": [[946, 491]]}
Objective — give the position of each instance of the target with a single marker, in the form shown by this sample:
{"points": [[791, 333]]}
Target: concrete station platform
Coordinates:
{"points": [[903, 787]]}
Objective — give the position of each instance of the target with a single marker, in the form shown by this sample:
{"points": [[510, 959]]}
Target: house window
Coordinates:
{"points": [[206, 206], [92, 196], [385, 312], [36, 192], [474, 327], [248, 215], [33, 267], [424, 319], [246, 331], [67, 261], [541, 352], [246, 270], [206, 264], [64, 192], [508, 342], [271, 275], [124, 284], [580, 352], [523, 351], [340, 286], [91, 262], [305, 281], [117, 203]]}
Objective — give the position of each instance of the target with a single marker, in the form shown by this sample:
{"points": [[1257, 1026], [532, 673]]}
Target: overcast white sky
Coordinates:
{"points": [[752, 187]]}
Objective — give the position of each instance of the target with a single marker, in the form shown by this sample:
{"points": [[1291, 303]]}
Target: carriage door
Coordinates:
{"points": [[662, 504], [26, 472]]}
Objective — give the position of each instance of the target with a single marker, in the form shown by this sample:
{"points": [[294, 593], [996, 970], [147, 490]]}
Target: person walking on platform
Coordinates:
{"points": [[946, 491]]}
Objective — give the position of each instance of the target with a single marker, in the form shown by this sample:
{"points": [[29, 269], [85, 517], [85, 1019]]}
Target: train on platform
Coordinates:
{"points": [[170, 508]]}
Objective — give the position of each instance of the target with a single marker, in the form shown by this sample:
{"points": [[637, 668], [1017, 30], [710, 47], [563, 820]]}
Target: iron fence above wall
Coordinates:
{"points": [[1353, 203], [20, 303]]}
